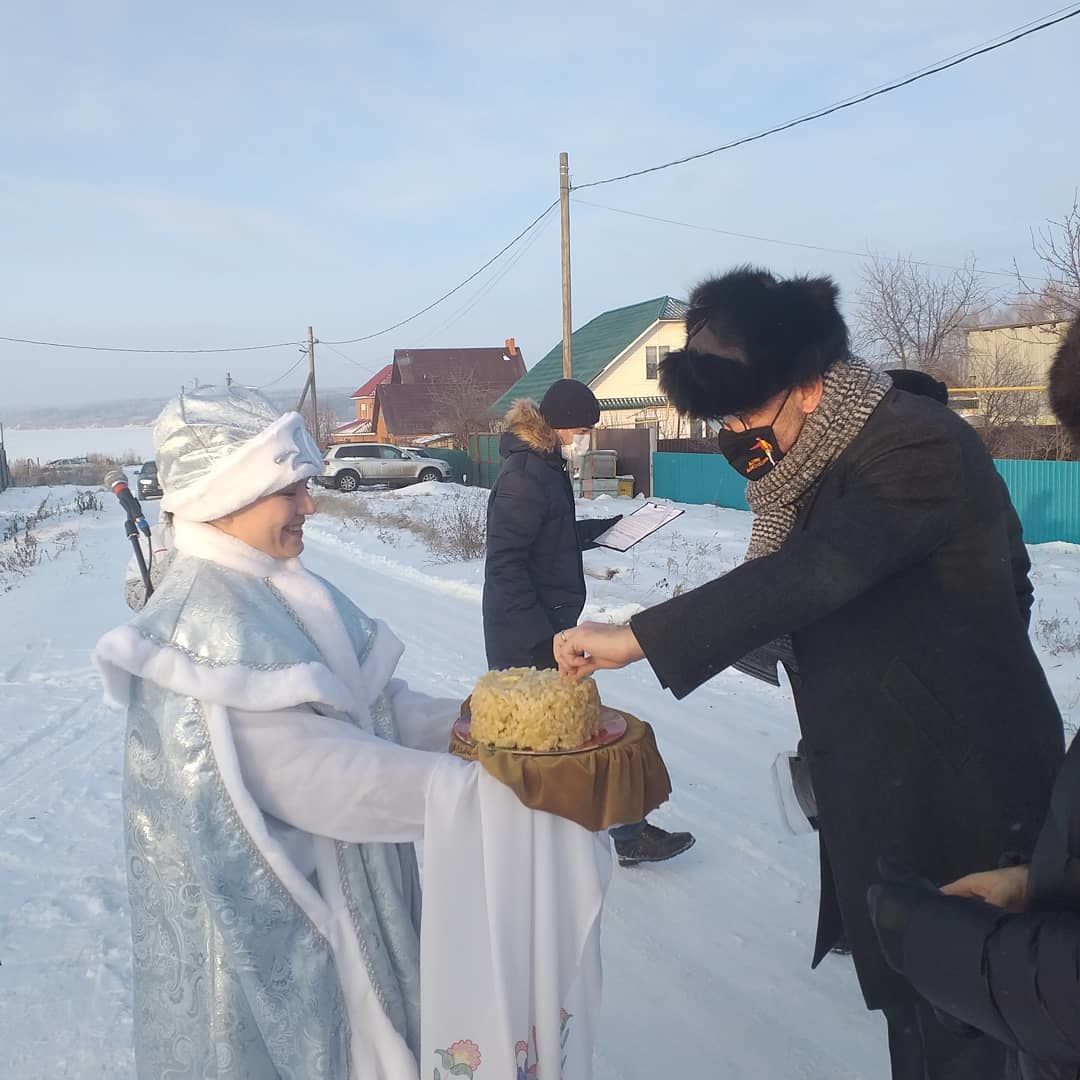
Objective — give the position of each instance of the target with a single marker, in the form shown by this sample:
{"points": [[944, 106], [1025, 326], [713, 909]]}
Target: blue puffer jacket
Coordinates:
{"points": [[534, 583]]}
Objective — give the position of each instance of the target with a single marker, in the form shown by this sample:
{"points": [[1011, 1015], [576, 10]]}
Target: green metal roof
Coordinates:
{"points": [[595, 345], [614, 403]]}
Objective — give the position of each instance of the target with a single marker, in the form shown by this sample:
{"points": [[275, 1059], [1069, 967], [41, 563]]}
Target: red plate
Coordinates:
{"points": [[612, 729]]}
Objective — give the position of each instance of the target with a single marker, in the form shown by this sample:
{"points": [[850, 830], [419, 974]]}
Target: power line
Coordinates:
{"points": [[355, 363], [786, 243], [457, 288], [888, 88], [283, 344], [117, 349], [486, 289], [285, 374]]}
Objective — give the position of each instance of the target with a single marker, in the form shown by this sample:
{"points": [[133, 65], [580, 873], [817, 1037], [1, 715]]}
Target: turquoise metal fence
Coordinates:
{"points": [[1046, 494], [698, 478], [458, 460], [484, 460]]}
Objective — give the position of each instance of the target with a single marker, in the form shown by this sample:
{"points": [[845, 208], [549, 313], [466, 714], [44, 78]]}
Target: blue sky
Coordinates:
{"points": [[207, 174]]}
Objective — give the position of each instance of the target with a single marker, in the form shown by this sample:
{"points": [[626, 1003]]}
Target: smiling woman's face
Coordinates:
{"points": [[275, 524]]}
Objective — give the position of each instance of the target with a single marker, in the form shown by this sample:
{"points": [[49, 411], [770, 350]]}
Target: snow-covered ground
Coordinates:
{"points": [[706, 957], [48, 444]]}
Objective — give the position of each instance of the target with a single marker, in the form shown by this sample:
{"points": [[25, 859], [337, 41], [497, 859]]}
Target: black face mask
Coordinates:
{"points": [[753, 453]]}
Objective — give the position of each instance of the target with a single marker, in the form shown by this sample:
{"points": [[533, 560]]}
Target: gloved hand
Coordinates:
{"points": [[588, 529], [892, 906]]}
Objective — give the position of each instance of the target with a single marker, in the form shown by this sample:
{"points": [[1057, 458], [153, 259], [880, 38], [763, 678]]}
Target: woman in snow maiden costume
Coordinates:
{"points": [[277, 775]]}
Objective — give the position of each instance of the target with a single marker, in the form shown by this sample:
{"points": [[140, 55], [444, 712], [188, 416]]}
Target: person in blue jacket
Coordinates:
{"points": [[534, 579]]}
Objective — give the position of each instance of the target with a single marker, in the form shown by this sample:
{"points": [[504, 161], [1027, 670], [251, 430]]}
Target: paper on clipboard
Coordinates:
{"points": [[632, 529]]}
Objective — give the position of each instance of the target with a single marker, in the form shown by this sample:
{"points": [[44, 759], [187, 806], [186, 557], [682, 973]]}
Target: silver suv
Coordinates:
{"points": [[349, 465]]}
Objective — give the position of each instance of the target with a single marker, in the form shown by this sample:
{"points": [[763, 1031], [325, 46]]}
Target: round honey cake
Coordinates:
{"points": [[526, 709]]}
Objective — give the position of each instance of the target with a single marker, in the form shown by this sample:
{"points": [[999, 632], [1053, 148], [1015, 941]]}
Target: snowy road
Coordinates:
{"points": [[706, 958]]}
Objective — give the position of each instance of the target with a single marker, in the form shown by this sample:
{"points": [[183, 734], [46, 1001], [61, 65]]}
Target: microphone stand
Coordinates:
{"points": [[132, 532]]}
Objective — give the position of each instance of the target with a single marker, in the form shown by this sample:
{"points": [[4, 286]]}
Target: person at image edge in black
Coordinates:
{"points": [[534, 579]]}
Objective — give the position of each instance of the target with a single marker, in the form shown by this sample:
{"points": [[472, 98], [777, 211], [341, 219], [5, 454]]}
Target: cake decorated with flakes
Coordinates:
{"points": [[527, 709]]}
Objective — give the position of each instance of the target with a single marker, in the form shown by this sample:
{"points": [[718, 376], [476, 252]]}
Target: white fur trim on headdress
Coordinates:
{"points": [[282, 454]]}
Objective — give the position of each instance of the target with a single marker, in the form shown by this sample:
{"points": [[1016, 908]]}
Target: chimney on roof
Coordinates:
{"points": [[511, 347]]}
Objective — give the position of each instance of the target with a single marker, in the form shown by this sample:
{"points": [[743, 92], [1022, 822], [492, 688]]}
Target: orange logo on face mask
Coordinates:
{"points": [[766, 448]]}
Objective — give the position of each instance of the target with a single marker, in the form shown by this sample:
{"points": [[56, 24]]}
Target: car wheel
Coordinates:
{"points": [[348, 481], [428, 475]]}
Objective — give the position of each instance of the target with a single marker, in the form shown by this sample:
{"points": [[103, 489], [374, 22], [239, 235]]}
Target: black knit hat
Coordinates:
{"points": [[570, 404], [749, 337], [920, 383]]}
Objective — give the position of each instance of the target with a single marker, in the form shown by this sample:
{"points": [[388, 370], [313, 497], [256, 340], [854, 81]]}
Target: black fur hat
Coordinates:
{"points": [[748, 338], [1065, 382]]}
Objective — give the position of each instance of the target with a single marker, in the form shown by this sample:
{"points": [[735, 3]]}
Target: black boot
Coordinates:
{"points": [[652, 845]]}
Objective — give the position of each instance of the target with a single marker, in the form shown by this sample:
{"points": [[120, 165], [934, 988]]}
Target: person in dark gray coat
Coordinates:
{"points": [[1000, 949], [880, 558], [534, 579]]}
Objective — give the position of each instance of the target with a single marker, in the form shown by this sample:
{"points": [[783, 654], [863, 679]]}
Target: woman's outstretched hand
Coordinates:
{"points": [[592, 646]]}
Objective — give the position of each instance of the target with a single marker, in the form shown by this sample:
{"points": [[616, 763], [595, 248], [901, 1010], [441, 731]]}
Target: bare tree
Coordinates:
{"points": [[910, 318], [462, 406], [322, 426], [1057, 245]]}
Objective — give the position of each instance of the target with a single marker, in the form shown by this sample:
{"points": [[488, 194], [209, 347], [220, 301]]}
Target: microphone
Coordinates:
{"points": [[116, 480]]}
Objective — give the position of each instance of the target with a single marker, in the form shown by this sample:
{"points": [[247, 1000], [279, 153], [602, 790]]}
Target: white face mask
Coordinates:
{"points": [[578, 448]]}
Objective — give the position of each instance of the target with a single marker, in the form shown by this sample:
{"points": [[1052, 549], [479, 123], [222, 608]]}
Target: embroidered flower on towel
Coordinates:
{"points": [[465, 1052], [461, 1058]]}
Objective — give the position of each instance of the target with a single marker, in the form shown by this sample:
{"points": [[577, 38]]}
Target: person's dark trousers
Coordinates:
{"points": [[921, 1048], [543, 656]]}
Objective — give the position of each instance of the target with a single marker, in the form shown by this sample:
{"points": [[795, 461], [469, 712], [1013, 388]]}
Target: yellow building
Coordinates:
{"points": [[1007, 369], [616, 355]]}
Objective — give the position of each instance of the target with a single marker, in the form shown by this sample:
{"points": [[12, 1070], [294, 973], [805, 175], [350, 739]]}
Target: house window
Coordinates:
{"points": [[653, 355]]}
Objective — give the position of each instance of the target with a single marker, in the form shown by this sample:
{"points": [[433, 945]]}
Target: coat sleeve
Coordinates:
{"points": [[515, 518], [588, 529], [1015, 977], [1018, 557], [896, 508], [423, 722], [329, 778]]}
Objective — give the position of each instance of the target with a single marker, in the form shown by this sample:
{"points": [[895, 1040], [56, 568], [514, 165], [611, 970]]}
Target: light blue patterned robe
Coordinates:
{"points": [[232, 977]]}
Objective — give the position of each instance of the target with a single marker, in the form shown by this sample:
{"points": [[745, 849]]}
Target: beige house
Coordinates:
{"points": [[617, 354], [1007, 369]]}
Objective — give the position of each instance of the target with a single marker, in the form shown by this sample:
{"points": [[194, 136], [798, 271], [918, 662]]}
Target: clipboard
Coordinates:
{"points": [[635, 527]]}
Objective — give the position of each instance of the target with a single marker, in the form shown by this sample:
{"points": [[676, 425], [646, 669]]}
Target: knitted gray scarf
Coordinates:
{"points": [[852, 392]]}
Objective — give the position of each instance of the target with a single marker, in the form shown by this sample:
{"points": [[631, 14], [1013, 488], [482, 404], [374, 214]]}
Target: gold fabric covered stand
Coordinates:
{"points": [[612, 785]]}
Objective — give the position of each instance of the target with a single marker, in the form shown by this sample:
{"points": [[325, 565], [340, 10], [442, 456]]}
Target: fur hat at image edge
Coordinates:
{"points": [[1065, 381], [751, 336]]}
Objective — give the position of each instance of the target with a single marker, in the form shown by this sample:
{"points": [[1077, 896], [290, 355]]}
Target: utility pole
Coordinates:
{"points": [[564, 208], [311, 377], [310, 386]]}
